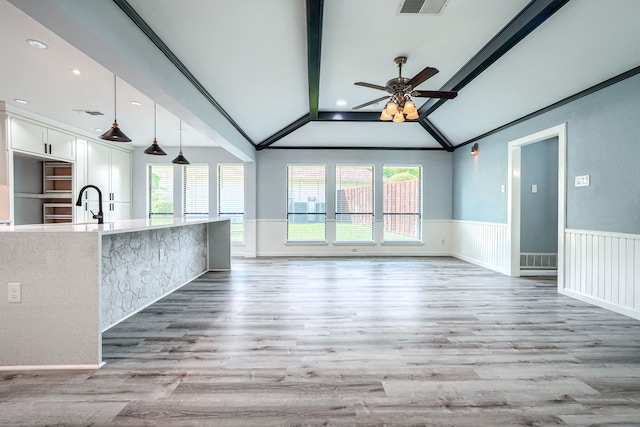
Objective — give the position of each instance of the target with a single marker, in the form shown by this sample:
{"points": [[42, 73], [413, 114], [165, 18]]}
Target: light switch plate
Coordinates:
{"points": [[534, 188], [582, 181]]}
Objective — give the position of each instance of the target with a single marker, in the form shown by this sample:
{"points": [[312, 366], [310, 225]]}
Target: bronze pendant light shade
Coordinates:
{"points": [[154, 149], [181, 160], [114, 133]]}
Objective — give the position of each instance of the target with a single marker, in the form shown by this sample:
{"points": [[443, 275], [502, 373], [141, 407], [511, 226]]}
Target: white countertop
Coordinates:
{"points": [[124, 226]]}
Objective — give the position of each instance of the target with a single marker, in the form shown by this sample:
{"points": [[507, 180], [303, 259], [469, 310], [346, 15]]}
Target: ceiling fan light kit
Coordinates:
{"points": [[400, 106]]}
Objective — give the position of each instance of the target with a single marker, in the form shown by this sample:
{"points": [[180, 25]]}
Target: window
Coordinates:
{"points": [[231, 198], [195, 191], [402, 203], [306, 206], [354, 203], [159, 190]]}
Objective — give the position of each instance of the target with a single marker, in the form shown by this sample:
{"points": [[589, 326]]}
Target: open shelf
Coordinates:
{"points": [[57, 184]]}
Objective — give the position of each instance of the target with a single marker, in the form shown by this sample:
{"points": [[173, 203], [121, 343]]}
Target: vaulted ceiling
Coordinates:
{"points": [[254, 74]]}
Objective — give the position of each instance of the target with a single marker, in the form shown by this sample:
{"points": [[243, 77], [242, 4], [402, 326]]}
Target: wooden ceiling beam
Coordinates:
{"points": [[315, 10]]}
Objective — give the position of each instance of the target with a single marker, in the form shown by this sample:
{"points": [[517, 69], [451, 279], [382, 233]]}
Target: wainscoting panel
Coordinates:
{"points": [[604, 269], [481, 243], [271, 241]]}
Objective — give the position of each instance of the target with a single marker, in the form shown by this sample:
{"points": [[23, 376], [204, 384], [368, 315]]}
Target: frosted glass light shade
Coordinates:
{"points": [[398, 118], [391, 108], [409, 107], [384, 116], [414, 115]]}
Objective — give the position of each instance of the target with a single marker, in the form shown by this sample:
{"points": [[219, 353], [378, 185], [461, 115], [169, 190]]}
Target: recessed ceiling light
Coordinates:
{"points": [[21, 101], [75, 71], [37, 43], [98, 130], [341, 103], [136, 103]]}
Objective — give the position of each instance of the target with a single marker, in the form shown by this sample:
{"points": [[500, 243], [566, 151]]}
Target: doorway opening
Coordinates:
{"points": [[514, 220]]}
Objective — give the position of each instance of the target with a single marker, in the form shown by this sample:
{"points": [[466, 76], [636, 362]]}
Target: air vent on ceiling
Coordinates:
{"points": [[91, 113], [423, 7]]}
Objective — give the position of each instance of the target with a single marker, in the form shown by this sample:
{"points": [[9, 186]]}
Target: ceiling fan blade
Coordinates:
{"points": [[371, 85], [375, 101], [434, 94], [423, 75]]}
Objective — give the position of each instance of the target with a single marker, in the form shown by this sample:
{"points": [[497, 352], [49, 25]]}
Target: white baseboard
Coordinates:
{"points": [[52, 367], [635, 314]]}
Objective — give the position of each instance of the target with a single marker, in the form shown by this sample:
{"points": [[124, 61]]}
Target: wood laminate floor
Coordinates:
{"points": [[349, 342]]}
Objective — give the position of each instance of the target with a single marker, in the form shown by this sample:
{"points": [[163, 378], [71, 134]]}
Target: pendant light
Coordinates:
{"points": [[114, 133], [154, 149], [180, 160]]}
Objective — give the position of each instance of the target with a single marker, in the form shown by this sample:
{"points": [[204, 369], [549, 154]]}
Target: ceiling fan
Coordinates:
{"points": [[401, 90]]}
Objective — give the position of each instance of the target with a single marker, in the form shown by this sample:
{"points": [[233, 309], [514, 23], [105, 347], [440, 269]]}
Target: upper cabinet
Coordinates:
{"points": [[36, 139]]}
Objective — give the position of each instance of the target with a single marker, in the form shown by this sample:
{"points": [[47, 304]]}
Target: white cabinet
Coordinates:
{"points": [[61, 144], [37, 139], [111, 211], [120, 175], [109, 168], [99, 169]]}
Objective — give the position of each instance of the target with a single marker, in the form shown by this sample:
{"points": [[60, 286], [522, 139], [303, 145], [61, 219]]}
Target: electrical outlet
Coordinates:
{"points": [[15, 292]]}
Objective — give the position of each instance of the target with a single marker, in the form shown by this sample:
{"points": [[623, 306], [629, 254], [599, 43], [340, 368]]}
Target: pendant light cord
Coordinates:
{"points": [[115, 100], [154, 120], [180, 136]]}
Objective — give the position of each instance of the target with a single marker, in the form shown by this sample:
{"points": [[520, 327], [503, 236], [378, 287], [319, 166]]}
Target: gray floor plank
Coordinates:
{"points": [[349, 342]]}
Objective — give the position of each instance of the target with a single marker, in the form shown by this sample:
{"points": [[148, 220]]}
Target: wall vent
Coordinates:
{"points": [[538, 261], [90, 112], [422, 7]]}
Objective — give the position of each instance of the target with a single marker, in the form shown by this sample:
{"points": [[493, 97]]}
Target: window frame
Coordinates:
{"points": [[373, 202], [183, 174], [149, 169], [219, 214], [420, 214], [289, 201]]}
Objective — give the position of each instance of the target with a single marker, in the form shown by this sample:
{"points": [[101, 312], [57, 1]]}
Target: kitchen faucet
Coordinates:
{"points": [[99, 216]]}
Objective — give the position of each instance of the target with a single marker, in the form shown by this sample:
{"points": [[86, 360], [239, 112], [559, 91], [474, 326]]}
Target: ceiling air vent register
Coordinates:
{"points": [[422, 7]]}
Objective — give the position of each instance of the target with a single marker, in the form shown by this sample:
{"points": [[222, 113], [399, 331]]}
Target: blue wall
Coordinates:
{"points": [[539, 211], [602, 141]]}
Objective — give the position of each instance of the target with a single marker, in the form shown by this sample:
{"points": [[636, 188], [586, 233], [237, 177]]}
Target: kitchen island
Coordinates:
{"points": [[77, 280]]}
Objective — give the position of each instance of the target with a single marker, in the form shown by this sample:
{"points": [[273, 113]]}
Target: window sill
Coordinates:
{"points": [[400, 243], [353, 243], [309, 243]]}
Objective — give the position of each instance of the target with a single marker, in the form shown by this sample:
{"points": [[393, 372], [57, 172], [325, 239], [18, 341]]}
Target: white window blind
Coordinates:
{"points": [[231, 198], [159, 190], [306, 204], [402, 203], [195, 190], [354, 203]]}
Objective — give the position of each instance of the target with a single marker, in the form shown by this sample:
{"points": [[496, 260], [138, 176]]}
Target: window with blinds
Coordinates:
{"points": [[231, 198], [402, 203], [306, 205], [159, 191], [354, 204], [195, 191]]}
